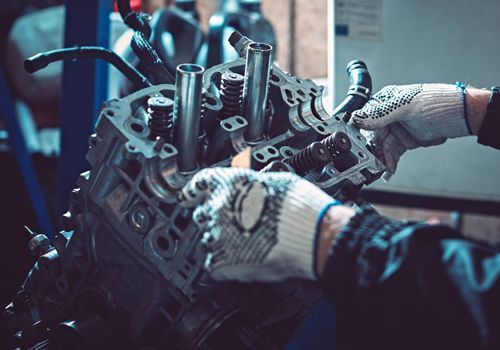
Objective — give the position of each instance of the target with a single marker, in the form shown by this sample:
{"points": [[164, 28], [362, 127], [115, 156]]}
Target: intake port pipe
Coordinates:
{"points": [[256, 89], [187, 110]]}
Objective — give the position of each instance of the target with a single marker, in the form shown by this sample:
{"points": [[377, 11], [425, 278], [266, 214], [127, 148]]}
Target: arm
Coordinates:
{"points": [[477, 102], [392, 282], [405, 285], [404, 117]]}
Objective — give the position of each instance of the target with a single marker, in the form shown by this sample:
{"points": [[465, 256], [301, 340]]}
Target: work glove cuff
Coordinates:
{"points": [[443, 108], [298, 227]]}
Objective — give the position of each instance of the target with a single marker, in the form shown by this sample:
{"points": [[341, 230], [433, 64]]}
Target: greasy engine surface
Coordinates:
{"points": [[126, 270]]}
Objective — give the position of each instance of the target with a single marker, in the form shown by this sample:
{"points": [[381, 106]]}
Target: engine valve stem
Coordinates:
{"points": [[337, 144], [231, 94], [160, 117], [314, 156]]}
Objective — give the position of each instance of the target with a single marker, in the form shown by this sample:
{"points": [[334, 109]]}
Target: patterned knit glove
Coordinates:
{"points": [[258, 226], [410, 116]]}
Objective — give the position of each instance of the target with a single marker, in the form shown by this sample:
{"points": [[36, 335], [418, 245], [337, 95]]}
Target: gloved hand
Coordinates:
{"points": [[258, 226], [410, 116]]}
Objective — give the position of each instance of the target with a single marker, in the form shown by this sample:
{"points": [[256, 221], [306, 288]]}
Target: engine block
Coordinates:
{"points": [[127, 270]]}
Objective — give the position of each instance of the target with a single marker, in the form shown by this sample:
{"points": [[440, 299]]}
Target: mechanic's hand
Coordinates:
{"points": [[258, 226], [410, 116]]}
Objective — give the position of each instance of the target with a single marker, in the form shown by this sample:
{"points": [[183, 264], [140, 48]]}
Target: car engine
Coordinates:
{"points": [[127, 269]]}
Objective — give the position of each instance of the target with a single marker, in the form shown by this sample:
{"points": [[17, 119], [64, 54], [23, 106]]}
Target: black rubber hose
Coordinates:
{"points": [[360, 87], [124, 7], [133, 20], [151, 63], [43, 59]]}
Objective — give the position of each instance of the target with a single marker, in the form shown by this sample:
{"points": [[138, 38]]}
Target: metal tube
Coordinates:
{"points": [[187, 109], [255, 89]]}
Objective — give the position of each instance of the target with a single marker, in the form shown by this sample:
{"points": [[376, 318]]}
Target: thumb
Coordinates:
{"points": [[371, 117]]}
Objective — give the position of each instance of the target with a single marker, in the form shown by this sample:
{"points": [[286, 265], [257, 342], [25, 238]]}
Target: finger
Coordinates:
{"points": [[387, 176], [392, 154], [378, 111], [370, 104], [197, 189], [392, 164], [376, 140], [215, 249], [202, 216], [371, 117]]}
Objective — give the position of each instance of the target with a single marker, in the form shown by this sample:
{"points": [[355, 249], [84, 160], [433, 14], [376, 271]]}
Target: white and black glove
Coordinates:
{"points": [[258, 226], [410, 116]]}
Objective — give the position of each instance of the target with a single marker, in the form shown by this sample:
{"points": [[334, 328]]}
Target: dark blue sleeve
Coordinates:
{"points": [[402, 285]]}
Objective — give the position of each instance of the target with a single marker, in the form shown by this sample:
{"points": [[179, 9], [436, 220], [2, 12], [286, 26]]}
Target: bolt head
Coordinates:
{"points": [[233, 77], [139, 218], [160, 103], [39, 244]]}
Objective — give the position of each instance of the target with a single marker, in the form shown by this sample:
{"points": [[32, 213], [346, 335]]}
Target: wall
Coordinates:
{"points": [[306, 25]]}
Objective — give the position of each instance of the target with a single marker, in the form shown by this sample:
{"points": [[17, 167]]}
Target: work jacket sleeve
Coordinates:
{"points": [[407, 285]]}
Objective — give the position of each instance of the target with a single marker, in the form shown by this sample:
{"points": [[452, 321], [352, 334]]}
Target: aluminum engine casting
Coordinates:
{"points": [[126, 270]]}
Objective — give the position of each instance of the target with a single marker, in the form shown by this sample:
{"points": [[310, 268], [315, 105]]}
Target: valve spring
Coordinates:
{"points": [[160, 121], [231, 94], [314, 156], [337, 144]]}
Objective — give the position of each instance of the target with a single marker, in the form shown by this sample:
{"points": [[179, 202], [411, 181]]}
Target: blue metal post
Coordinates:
{"points": [[26, 167], [84, 88]]}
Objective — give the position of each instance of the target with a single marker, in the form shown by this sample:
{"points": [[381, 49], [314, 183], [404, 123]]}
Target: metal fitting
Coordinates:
{"points": [[39, 245], [239, 42]]}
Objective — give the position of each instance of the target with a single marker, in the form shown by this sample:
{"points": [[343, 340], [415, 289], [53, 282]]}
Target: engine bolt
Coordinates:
{"points": [[39, 244], [160, 117], [139, 218]]}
